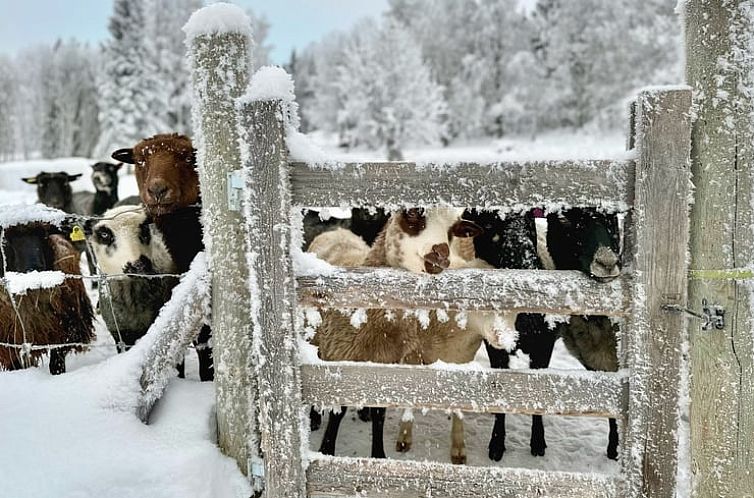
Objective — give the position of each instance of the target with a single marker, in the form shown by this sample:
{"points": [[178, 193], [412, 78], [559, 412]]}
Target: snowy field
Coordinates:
{"points": [[70, 436]]}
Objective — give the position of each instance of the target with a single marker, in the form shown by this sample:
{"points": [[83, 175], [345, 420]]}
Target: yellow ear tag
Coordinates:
{"points": [[77, 234]]}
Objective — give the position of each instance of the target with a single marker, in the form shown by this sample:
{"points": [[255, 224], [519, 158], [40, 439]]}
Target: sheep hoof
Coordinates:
{"points": [[460, 458], [538, 451], [612, 453], [402, 446], [496, 453]]}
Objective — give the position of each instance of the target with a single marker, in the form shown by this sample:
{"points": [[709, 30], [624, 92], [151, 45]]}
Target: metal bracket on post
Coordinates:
{"points": [[712, 316], [256, 474], [235, 185]]}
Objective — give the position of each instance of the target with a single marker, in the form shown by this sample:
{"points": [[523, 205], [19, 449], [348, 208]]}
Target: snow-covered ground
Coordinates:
{"points": [[65, 436]]}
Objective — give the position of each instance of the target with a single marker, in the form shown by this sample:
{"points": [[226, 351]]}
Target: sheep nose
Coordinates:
{"points": [[605, 265], [437, 260], [158, 191]]}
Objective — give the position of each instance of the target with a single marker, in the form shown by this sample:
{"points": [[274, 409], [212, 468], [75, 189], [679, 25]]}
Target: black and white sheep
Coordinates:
{"points": [[511, 242], [125, 241], [105, 195]]}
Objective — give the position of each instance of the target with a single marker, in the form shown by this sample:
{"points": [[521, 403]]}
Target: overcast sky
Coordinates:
{"points": [[294, 23]]}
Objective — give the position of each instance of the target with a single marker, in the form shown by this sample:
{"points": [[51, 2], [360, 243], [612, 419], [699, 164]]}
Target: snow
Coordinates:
{"points": [[306, 263], [270, 83], [217, 18], [19, 214], [19, 283]]}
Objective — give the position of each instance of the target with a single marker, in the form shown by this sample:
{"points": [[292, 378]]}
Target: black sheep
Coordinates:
{"points": [[511, 243], [366, 223]]}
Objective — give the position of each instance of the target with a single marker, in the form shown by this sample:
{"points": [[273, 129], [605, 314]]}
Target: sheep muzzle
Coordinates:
{"points": [[437, 260]]}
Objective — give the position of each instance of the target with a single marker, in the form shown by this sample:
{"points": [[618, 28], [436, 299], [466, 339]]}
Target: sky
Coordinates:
{"points": [[294, 23]]}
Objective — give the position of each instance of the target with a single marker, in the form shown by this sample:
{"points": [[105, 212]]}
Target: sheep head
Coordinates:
{"points": [[419, 239], [105, 176], [53, 189], [165, 172]]}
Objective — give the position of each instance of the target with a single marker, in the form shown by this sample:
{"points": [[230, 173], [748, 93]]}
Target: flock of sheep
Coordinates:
{"points": [[145, 242]]}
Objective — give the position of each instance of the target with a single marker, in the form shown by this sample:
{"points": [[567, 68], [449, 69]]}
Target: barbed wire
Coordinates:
{"points": [[26, 348]]}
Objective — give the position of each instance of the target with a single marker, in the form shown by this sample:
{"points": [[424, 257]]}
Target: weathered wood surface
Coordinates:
{"points": [[503, 185], [719, 68], [171, 334], [562, 292], [546, 392], [220, 66], [267, 207], [328, 477], [660, 219]]}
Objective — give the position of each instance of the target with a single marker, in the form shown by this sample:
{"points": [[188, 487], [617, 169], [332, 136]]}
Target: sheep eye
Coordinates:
{"points": [[413, 221], [104, 236]]}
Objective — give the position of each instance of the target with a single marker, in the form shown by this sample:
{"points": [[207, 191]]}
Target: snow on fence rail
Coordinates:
{"points": [[261, 424]]}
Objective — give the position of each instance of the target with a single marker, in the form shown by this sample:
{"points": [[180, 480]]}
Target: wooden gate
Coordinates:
{"points": [[263, 392]]}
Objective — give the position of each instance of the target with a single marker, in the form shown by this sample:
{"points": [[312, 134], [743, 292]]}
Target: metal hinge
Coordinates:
{"points": [[256, 474], [235, 184], [712, 316]]}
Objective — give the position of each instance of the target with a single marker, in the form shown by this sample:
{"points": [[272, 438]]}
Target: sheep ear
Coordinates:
{"points": [[124, 156], [74, 177], [466, 228], [118, 166], [32, 180]]}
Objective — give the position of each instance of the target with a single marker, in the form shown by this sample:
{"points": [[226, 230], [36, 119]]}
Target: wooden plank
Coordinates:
{"points": [[719, 66], [500, 185], [363, 477], [220, 69], [650, 455], [544, 392], [562, 292], [271, 286]]}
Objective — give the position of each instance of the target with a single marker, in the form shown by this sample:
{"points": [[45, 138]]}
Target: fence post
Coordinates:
{"points": [[220, 63], [720, 68], [267, 204], [660, 218]]}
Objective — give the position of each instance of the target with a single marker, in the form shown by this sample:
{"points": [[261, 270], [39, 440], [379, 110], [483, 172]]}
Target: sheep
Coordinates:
{"points": [[54, 189], [169, 189], [419, 242], [589, 241], [512, 243], [57, 315], [125, 241], [105, 180], [364, 222]]}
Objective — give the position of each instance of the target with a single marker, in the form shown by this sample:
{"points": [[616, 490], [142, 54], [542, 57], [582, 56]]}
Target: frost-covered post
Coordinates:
{"points": [[218, 40], [720, 69], [656, 336], [263, 114]]}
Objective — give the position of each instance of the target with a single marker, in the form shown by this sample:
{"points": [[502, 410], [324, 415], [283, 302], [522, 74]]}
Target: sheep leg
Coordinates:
{"points": [[539, 347], [315, 419], [57, 362], [364, 414], [378, 422], [181, 367], [405, 436], [612, 445], [498, 359], [204, 352], [457, 444], [331, 432]]}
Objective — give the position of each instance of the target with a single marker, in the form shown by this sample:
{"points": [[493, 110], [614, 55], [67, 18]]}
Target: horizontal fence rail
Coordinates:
{"points": [[514, 185], [561, 292], [334, 476], [546, 392]]}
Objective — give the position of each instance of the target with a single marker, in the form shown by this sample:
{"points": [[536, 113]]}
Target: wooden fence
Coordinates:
{"points": [[262, 390]]}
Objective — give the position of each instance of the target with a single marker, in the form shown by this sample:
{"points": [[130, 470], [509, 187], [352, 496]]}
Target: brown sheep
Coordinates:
{"points": [[424, 243], [169, 189], [57, 315]]}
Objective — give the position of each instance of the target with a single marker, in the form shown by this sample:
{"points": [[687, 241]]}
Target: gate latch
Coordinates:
{"points": [[712, 316], [235, 185]]}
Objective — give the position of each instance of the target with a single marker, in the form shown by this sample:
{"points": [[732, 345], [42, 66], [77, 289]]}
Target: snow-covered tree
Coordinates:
{"points": [[133, 103], [164, 23], [8, 91], [388, 97]]}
